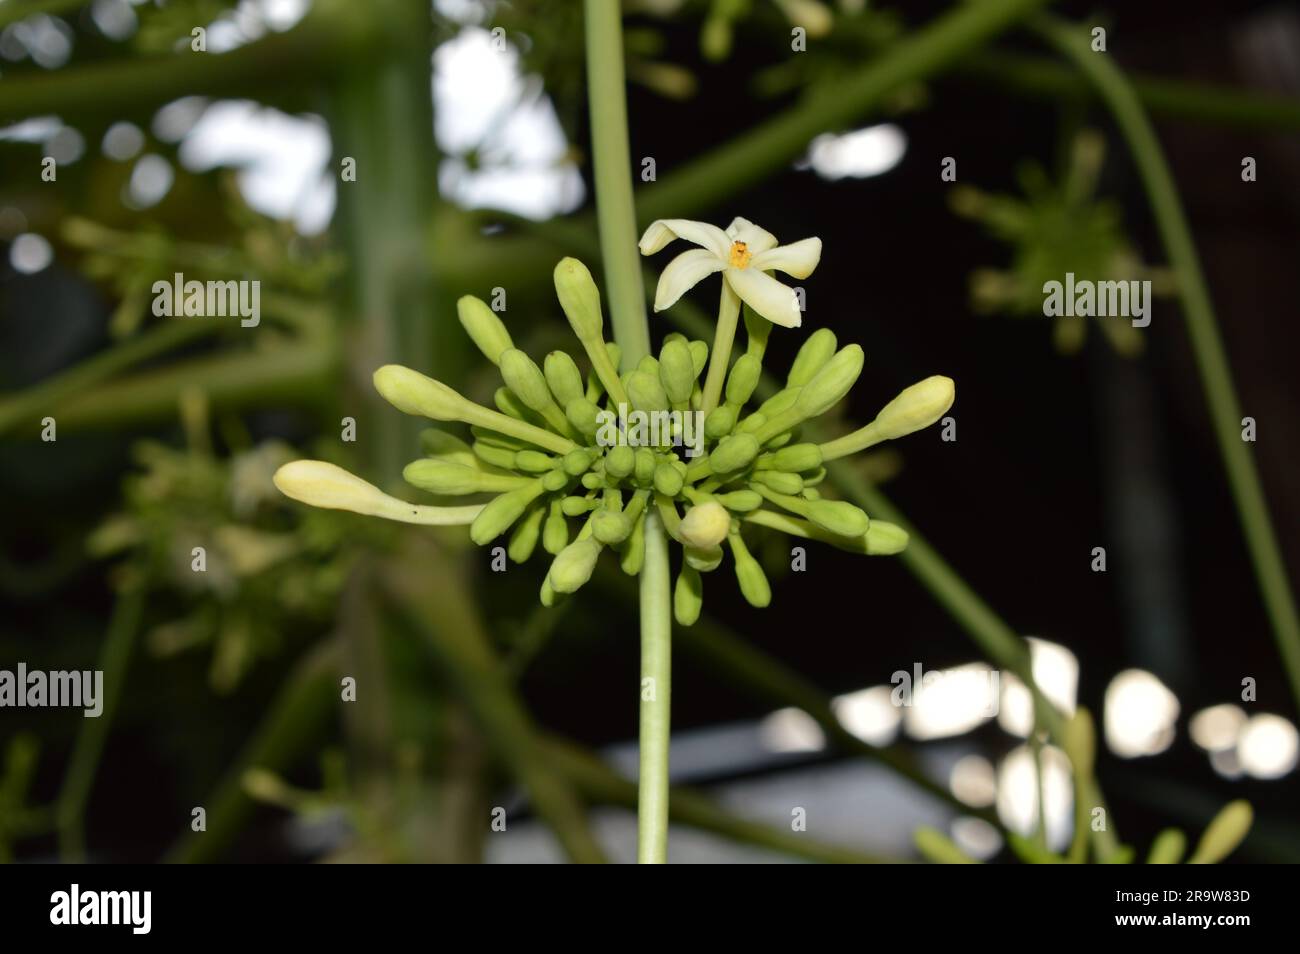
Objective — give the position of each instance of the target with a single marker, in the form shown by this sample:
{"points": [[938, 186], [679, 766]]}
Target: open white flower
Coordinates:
{"points": [[745, 254]]}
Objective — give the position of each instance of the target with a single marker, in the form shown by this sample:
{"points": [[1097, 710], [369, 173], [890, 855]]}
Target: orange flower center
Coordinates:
{"points": [[740, 255]]}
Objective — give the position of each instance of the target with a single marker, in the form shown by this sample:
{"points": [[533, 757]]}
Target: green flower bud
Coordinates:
{"points": [[699, 355], [775, 443], [577, 506], [734, 453], [753, 581], [779, 480], [645, 392], [884, 539], [676, 371], [705, 525], [782, 400], [580, 300], [916, 407], [548, 595], [752, 424], [555, 532], [810, 493], [574, 565], [499, 515], [688, 596], [740, 501], [668, 481], [593, 481], [830, 385], [564, 378], [322, 484], [448, 447], [936, 847], [525, 379], [614, 352], [812, 357], [838, 516], [533, 462], [703, 559], [1223, 834], [577, 462], [414, 393], [523, 540], [582, 414], [648, 364], [508, 403], [483, 327], [553, 481], [633, 557], [610, 527], [494, 456], [644, 469], [743, 379], [619, 461], [719, 423], [757, 330], [444, 477], [1168, 848], [795, 459]]}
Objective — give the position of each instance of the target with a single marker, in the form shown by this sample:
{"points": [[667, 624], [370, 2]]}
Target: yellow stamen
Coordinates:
{"points": [[740, 255]]}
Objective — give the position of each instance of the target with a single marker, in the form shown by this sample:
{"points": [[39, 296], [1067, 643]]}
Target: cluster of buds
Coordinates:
{"points": [[566, 471]]}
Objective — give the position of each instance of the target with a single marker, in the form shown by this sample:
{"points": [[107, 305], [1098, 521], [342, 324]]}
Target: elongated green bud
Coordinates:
{"points": [[743, 379], [916, 407], [1168, 848], [757, 330], [646, 393], [1223, 834], [676, 370], [553, 481], [719, 423], [838, 516], [831, 383], [619, 461], [574, 565], [555, 532], [322, 484], [494, 456], [740, 501], [812, 357], [610, 527], [580, 299], [523, 539], [508, 403], [414, 393], [445, 477], [668, 480], [483, 327], [577, 462], [644, 469], [705, 525], [577, 506], [525, 379], [703, 559], [448, 447], [592, 480], [734, 453], [795, 459], [564, 378], [779, 480], [753, 581], [938, 848], [533, 462], [648, 364], [699, 355], [583, 415], [884, 539], [782, 400], [688, 596], [752, 424], [499, 515], [633, 557]]}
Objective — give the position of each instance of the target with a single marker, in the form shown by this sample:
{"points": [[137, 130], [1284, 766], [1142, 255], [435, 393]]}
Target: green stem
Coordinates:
{"points": [[656, 697], [615, 212], [86, 753], [1202, 328], [720, 356]]}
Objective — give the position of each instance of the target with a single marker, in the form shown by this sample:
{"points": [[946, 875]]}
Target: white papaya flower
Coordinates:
{"points": [[744, 253]]}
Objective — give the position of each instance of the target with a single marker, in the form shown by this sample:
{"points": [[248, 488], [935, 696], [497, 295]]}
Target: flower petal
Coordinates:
{"points": [[663, 231], [760, 291], [797, 259], [683, 273], [757, 239]]}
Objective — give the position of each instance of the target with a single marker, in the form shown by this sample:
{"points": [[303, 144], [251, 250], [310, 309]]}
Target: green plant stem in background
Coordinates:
{"points": [[1202, 328], [613, 169], [114, 658], [656, 697]]}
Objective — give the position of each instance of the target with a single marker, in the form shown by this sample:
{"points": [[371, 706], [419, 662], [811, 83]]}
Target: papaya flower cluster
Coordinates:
{"points": [[570, 467]]}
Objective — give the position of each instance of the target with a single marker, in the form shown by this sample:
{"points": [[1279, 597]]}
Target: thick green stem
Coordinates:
{"points": [[656, 697], [614, 209], [1202, 328], [720, 356]]}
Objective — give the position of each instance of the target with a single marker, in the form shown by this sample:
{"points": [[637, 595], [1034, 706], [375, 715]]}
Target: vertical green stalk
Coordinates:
{"points": [[1211, 360], [615, 212], [720, 356], [616, 216], [656, 693]]}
